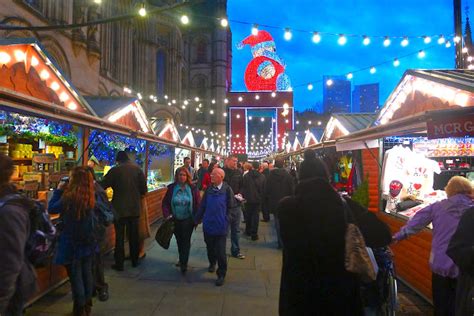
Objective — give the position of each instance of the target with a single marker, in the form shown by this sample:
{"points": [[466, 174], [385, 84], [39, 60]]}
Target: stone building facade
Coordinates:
{"points": [[155, 55]]}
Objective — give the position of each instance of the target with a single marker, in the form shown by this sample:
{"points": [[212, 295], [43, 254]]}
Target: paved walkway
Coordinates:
{"points": [[157, 287]]}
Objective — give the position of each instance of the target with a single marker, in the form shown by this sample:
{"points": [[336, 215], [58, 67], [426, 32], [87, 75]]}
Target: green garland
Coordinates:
{"points": [[69, 139]]}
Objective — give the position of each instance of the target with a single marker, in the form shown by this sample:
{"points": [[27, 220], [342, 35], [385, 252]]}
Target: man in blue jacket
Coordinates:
{"points": [[214, 214]]}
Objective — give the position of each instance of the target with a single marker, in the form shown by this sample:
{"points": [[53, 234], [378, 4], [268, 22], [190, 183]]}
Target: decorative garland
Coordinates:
{"points": [[104, 146], [19, 127]]}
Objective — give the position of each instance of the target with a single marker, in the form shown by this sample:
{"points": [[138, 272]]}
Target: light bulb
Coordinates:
{"points": [[316, 37], [255, 30], [142, 10], [72, 106], [441, 39], [44, 74], [366, 40], [185, 19], [211, 112], [349, 76], [464, 50], [421, 54], [404, 42], [196, 99], [373, 70], [396, 62], [19, 55], [274, 94], [457, 39], [224, 22], [240, 99], [257, 97], [342, 40], [54, 86], [287, 35], [329, 82], [34, 61], [386, 41], [448, 44], [426, 39]]}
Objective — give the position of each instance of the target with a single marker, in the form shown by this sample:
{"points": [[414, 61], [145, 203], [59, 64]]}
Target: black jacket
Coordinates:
{"points": [[461, 250], [16, 272], [129, 184], [233, 177], [253, 187], [314, 280], [278, 185]]}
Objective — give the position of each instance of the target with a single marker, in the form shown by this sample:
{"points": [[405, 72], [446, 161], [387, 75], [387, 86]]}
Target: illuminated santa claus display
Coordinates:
{"points": [[266, 71]]}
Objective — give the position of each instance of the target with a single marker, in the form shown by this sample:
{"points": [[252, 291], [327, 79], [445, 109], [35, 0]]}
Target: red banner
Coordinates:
{"points": [[460, 126]]}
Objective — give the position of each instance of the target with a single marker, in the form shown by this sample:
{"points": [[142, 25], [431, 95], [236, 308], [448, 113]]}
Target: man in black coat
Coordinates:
{"points": [[278, 185], [252, 190], [17, 276], [129, 184]]}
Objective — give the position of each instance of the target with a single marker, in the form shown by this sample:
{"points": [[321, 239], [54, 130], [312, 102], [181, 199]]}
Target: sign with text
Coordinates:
{"points": [[459, 126]]}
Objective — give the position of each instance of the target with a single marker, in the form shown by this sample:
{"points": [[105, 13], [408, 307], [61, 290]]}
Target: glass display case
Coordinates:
{"points": [[103, 147], [160, 166], [42, 150]]}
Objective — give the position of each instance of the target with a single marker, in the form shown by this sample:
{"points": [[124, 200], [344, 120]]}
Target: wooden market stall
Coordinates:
{"points": [[430, 113], [46, 127]]}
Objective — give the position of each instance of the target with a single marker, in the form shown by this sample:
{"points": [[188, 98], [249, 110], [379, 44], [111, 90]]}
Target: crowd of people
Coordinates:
{"points": [[310, 218]]}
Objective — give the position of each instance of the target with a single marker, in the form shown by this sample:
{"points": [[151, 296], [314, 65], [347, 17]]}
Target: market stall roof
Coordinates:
{"points": [[27, 71], [121, 110], [342, 124], [426, 90], [312, 137], [417, 123], [187, 137], [166, 129]]}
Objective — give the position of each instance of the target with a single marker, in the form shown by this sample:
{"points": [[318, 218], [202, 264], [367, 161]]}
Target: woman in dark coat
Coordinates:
{"points": [[314, 280], [182, 201], [461, 250]]}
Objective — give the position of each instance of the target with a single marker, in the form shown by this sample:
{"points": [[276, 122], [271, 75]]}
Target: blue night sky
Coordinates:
{"points": [[308, 62]]}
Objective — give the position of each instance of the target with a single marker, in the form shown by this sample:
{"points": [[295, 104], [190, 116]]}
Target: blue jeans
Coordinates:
{"points": [[82, 280], [234, 222]]}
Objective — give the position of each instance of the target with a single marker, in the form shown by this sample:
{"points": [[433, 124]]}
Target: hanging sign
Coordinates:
{"points": [[459, 126]]}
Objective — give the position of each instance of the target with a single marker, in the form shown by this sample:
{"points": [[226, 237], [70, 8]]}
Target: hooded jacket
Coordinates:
{"points": [[16, 272], [445, 216], [278, 185], [214, 210], [253, 187]]}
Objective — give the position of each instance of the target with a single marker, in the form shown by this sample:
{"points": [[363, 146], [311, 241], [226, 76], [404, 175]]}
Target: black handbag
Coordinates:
{"points": [[164, 233]]}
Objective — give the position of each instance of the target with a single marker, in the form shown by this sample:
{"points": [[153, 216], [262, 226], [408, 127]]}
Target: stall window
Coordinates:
{"points": [[103, 146], [160, 166], [42, 150]]}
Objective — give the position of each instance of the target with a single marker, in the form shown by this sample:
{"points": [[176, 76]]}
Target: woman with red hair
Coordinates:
{"points": [[182, 202], [74, 200]]}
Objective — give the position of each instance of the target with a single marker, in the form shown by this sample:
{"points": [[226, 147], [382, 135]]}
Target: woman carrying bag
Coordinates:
{"points": [[181, 202]]}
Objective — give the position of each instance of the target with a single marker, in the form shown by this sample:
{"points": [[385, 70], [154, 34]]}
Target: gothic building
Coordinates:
{"points": [[155, 55]]}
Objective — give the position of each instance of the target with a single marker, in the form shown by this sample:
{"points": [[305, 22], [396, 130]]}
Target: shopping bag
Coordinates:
{"points": [[357, 259], [164, 233]]}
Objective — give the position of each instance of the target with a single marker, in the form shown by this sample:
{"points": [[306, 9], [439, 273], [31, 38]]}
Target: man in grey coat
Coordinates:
{"points": [[17, 275], [129, 184]]}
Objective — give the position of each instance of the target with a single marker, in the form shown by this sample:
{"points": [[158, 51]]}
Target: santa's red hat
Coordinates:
{"points": [[252, 40]]}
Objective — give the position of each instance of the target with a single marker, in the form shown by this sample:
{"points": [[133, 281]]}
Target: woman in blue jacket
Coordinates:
{"points": [[75, 201]]}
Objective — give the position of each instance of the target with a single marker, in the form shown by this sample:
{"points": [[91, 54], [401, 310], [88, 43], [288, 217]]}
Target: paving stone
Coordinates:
{"points": [[244, 305], [195, 304]]}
